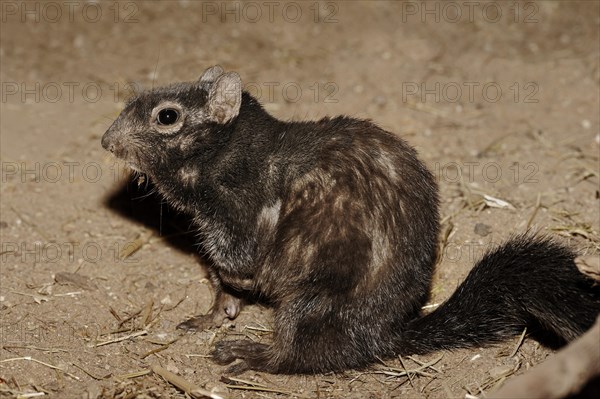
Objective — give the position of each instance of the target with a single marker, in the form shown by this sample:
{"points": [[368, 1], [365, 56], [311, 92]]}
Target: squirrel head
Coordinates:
{"points": [[162, 127]]}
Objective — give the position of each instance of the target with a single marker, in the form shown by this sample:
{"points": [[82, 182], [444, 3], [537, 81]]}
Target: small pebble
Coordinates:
{"points": [[586, 124], [380, 100], [166, 301], [482, 229]]}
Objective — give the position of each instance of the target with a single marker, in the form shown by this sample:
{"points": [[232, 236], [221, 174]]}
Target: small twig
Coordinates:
{"points": [[427, 364], [87, 372], [115, 314], [135, 374], [37, 298], [37, 348], [418, 370], [133, 246], [25, 395], [187, 387], [125, 320], [159, 349], [126, 337], [396, 372], [256, 384], [147, 313], [537, 207], [29, 358], [261, 329], [410, 377], [71, 294], [262, 389], [177, 304], [519, 343]]}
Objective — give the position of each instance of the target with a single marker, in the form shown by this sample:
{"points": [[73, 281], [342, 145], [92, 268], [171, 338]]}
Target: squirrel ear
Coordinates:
{"points": [[225, 98], [210, 75]]}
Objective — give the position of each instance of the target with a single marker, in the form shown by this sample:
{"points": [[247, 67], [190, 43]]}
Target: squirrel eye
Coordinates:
{"points": [[167, 116]]}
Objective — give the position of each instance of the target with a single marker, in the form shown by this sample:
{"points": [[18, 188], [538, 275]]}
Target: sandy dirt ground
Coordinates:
{"points": [[501, 99]]}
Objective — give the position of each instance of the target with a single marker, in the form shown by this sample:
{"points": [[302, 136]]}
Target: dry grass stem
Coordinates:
{"points": [[134, 374], [187, 387], [29, 358], [124, 338]]}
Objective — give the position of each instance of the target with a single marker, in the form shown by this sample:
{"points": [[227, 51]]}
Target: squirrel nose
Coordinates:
{"points": [[107, 142]]}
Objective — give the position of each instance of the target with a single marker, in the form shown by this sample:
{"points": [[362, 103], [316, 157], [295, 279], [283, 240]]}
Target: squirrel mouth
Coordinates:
{"points": [[129, 158]]}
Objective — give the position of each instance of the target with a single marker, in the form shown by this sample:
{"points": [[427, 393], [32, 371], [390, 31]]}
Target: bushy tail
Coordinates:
{"points": [[528, 282]]}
